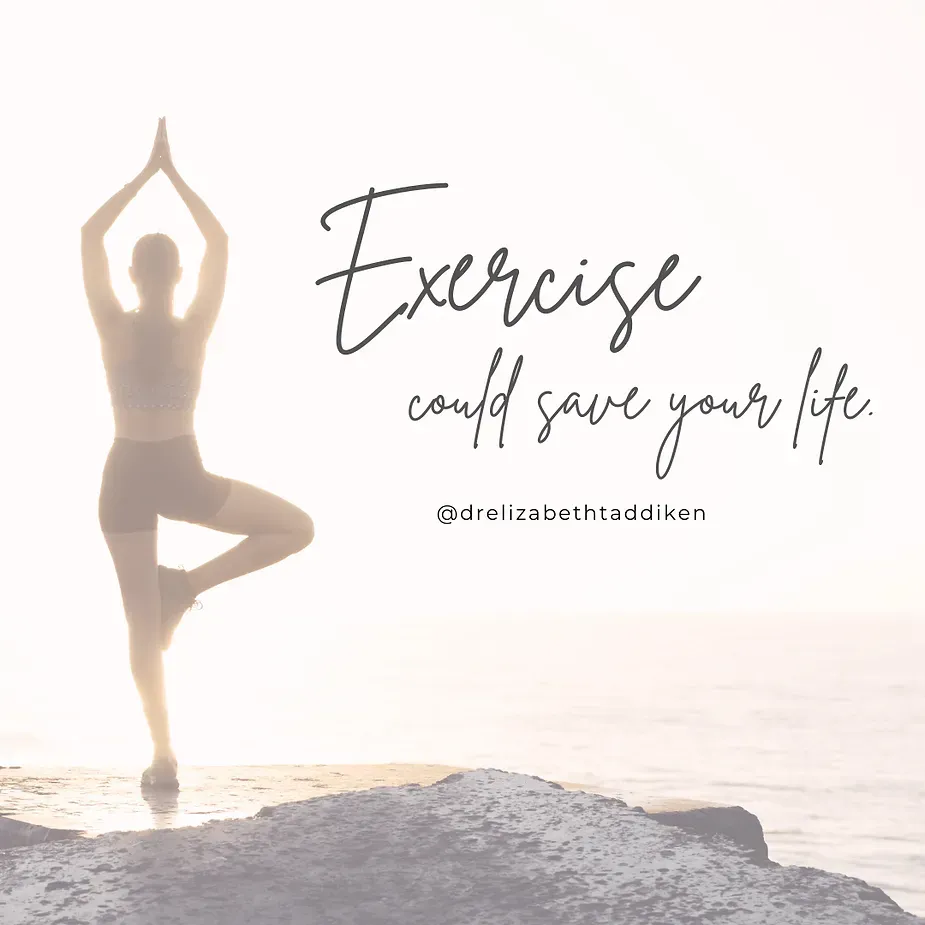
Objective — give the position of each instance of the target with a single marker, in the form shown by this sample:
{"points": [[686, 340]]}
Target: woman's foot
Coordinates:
{"points": [[161, 775], [176, 599]]}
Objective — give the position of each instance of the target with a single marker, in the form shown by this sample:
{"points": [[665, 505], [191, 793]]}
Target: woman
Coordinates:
{"points": [[153, 365]]}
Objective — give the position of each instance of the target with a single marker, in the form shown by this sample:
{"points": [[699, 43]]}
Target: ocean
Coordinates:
{"points": [[815, 724]]}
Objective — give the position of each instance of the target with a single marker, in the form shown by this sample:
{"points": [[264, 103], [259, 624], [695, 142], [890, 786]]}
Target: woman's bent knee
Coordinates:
{"points": [[303, 532]]}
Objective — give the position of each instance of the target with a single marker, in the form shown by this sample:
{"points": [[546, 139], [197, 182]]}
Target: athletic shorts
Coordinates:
{"points": [[143, 479]]}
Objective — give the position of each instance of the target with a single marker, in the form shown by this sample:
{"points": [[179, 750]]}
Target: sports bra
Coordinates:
{"points": [[175, 387]]}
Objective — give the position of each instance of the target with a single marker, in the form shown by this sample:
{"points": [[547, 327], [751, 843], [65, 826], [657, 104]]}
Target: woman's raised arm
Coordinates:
{"points": [[104, 306], [211, 289]]}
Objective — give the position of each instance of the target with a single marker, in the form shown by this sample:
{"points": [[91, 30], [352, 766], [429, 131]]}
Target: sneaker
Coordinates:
{"points": [[176, 599], [161, 775]]}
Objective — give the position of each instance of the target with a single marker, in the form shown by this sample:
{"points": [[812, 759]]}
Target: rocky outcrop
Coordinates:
{"points": [[477, 847], [16, 834], [733, 822]]}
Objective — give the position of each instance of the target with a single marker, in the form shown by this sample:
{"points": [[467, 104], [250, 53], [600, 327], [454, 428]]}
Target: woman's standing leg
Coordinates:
{"points": [[135, 559]]}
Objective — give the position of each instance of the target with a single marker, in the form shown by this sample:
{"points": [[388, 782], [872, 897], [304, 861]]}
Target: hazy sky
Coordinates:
{"points": [[776, 148]]}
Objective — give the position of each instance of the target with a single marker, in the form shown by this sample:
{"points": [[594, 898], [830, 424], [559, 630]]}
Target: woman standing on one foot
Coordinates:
{"points": [[153, 365]]}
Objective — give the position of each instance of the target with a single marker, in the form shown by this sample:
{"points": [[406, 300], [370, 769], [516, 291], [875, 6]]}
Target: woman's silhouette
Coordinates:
{"points": [[153, 365]]}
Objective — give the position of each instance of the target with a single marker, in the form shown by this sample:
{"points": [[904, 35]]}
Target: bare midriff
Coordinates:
{"points": [[152, 423]]}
